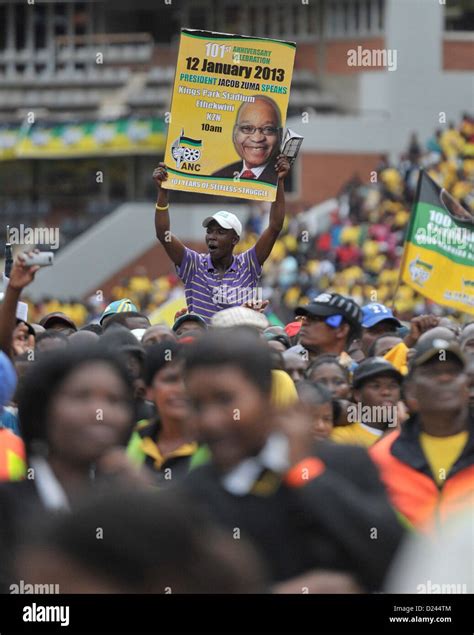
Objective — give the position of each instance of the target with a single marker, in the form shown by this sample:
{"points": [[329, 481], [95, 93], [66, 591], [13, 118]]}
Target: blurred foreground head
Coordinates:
{"points": [[441, 565], [228, 378], [75, 404], [138, 542]]}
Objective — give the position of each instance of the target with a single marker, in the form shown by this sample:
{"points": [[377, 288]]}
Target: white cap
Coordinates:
{"points": [[239, 316], [225, 220]]}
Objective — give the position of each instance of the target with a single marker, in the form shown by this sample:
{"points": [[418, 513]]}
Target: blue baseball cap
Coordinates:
{"points": [[119, 306], [8, 380], [374, 313]]}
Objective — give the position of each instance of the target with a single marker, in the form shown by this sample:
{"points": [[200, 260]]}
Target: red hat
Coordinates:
{"points": [[293, 328]]}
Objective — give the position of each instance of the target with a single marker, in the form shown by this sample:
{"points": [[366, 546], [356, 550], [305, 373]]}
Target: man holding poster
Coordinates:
{"points": [[219, 279]]}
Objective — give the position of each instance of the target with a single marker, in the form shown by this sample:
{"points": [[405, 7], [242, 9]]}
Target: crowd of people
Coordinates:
{"points": [[358, 254], [228, 455], [331, 452]]}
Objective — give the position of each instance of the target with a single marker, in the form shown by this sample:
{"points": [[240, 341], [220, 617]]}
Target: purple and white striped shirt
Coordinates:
{"points": [[207, 293]]}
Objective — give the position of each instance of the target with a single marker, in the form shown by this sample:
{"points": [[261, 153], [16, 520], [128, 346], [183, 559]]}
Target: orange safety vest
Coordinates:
{"points": [[12, 456], [411, 487]]}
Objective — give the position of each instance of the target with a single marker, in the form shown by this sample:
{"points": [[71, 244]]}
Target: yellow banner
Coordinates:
{"points": [[165, 313], [145, 135], [438, 278], [229, 105]]}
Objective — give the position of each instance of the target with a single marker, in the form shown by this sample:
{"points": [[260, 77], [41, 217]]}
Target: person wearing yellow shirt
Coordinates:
{"points": [[376, 391], [442, 452], [452, 142]]}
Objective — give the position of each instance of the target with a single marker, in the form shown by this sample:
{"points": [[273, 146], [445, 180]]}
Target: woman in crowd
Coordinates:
{"points": [[318, 403], [164, 443], [327, 370], [76, 415]]}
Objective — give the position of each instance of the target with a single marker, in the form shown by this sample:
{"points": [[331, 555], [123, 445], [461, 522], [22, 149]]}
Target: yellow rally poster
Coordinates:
{"points": [[228, 110]]}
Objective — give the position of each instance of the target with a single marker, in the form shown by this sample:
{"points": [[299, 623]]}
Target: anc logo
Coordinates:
{"points": [[420, 271], [185, 151]]}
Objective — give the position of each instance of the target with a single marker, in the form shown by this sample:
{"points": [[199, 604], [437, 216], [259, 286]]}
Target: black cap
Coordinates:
{"points": [[189, 317], [371, 367], [326, 304], [429, 348], [118, 339], [57, 316]]}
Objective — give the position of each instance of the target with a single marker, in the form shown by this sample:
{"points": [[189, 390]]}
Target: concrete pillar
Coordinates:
{"points": [[415, 96], [301, 18], [376, 10], [30, 38], [10, 44], [70, 33], [50, 43], [364, 11], [90, 8]]}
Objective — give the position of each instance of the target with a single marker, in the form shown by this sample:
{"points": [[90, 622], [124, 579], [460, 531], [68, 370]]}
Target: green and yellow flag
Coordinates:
{"points": [[438, 258]]}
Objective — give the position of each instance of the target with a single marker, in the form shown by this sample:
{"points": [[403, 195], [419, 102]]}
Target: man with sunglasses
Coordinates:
{"points": [[256, 137], [330, 323]]}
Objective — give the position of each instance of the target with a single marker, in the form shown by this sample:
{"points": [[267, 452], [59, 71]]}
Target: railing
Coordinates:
{"points": [[354, 18], [115, 47]]}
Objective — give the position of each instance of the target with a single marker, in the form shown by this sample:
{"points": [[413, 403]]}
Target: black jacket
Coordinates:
{"points": [[341, 520], [20, 506]]}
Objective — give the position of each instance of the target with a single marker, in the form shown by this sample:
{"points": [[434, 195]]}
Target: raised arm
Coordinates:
{"points": [[173, 246], [264, 244], [21, 275]]}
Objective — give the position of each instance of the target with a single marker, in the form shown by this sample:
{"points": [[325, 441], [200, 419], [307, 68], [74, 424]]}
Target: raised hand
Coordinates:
{"points": [[257, 305], [22, 340], [418, 326], [160, 174], [282, 166]]}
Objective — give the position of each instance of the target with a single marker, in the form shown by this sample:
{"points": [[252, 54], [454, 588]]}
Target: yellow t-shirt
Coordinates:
{"points": [[397, 356], [442, 452], [283, 389], [356, 434]]}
